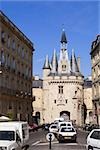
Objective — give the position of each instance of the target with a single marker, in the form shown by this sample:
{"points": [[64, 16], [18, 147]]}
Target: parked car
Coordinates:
{"points": [[46, 126], [93, 140], [93, 126], [66, 133], [86, 126], [53, 128], [65, 123]]}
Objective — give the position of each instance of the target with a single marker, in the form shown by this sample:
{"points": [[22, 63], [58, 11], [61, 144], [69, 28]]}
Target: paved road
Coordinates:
{"points": [[38, 141]]}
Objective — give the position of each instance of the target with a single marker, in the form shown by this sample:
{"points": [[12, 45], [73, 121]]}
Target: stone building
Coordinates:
{"points": [[16, 52], [63, 86], [95, 60], [37, 90], [88, 99]]}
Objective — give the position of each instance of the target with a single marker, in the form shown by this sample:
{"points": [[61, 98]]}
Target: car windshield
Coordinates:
{"points": [[63, 124], [7, 135], [68, 124], [53, 126], [67, 130]]}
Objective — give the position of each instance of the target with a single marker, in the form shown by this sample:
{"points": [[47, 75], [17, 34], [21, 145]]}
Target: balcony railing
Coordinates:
{"points": [[16, 93]]}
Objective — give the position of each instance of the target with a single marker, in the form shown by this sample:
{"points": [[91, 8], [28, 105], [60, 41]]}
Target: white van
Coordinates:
{"points": [[60, 119], [13, 135], [65, 123]]}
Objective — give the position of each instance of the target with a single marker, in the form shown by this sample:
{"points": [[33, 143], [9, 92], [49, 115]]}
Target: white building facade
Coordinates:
{"points": [[63, 94]]}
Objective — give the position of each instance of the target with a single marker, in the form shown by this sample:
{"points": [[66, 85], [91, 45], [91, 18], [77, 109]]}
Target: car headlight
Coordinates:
{"points": [[3, 148]]}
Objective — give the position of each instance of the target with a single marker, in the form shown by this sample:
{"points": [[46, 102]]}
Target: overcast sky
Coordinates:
{"points": [[42, 22]]}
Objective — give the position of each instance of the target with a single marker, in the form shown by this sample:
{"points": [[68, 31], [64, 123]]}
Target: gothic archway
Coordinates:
{"points": [[65, 115]]}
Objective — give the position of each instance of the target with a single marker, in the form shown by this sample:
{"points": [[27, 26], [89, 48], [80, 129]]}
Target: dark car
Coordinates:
{"points": [[46, 126], [93, 126], [86, 126]]}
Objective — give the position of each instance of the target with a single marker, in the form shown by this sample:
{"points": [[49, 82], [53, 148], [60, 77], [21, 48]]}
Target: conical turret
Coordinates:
{"points": [[46, 63], [54, 62], [74, 65], [46, 67], [63, 37]]}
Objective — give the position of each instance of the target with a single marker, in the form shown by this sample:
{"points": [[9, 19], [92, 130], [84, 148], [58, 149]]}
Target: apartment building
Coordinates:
{"points": [[88, 99], [16, 52], [37, 90], [95, 60]]}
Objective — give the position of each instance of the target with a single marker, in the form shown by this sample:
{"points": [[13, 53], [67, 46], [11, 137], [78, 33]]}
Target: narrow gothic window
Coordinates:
{"points": [[63, 67], [13, 44], [66, 101], [60, 89], [3, 37], [55, 101]]}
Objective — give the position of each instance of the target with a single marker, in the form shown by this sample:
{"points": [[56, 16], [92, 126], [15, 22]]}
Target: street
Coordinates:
{"points": [[37, 141]]}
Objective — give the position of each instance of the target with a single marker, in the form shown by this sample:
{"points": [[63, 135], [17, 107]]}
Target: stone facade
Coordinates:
{"points": [[67, 103], [88, 99], [62, 87], [95, 60], [16, 52], [37, 90]]}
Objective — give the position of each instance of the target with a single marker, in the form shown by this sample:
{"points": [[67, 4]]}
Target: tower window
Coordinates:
{"points": [[63, 67], [55, 101], [60, 89], [66, 101]]}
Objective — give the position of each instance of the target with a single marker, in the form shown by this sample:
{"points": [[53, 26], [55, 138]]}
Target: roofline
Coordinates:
{"points": [[6, 19]]}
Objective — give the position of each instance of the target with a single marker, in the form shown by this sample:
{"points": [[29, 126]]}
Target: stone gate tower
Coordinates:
{"points": [[63, 86]]}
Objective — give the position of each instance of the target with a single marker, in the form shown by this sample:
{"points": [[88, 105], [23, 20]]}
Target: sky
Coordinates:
{"points": [[43, 21]]}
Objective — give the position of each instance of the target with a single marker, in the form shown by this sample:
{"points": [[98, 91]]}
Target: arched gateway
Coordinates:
{"points": [[65, 115]]}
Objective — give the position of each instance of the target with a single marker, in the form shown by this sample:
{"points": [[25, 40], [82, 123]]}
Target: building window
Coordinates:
{"points": [[22, 52], [8, 60], [3, 37], [60, 89], [19, 106], [13, 65], [2, 57], [63, 67], [13, 44], [18, 49], [8, 42], [55, 101], [10, 105], [66, 101], [34, 98]]}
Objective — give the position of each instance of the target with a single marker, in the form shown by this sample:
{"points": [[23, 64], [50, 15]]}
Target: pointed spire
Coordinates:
{"points": [[63, 37], [54, 62], [46, 64], [74, 65]]}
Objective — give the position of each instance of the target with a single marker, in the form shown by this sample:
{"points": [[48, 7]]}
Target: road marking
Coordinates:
{"points": [[37, 142], [69, 144], [46, 143]]}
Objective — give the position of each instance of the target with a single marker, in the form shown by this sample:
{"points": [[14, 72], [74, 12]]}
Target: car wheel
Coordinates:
{"points": [[74, 141], [90, 148]]}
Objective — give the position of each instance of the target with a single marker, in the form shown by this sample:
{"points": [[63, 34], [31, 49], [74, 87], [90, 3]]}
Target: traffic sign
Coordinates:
{"points": [[50, 136]]}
